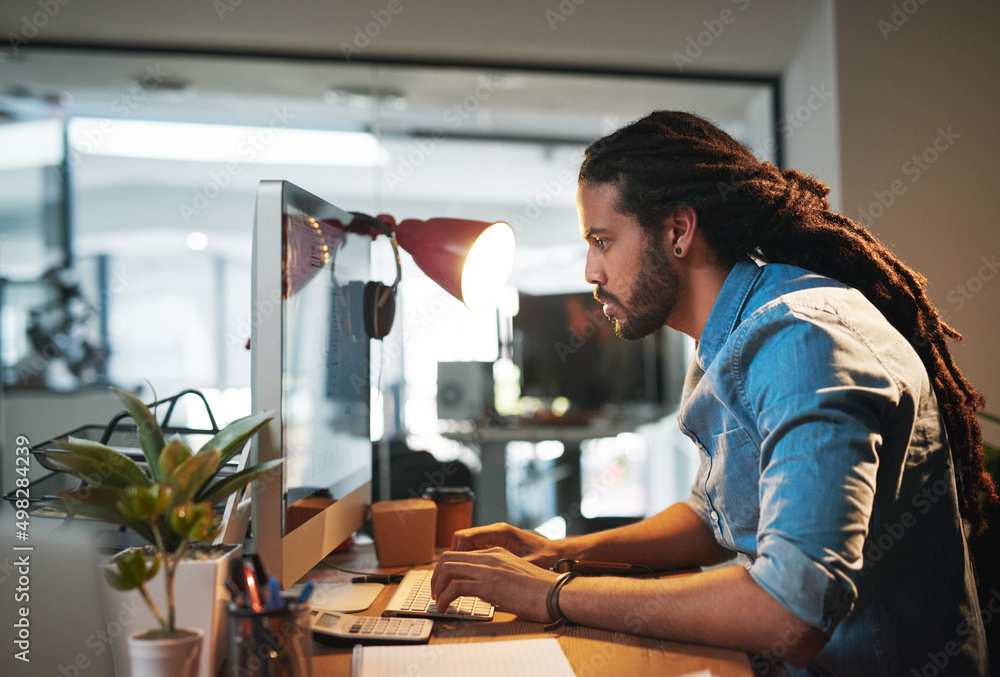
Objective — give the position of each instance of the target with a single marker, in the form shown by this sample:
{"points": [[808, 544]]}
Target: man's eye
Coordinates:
{"points": [[600, 242]]}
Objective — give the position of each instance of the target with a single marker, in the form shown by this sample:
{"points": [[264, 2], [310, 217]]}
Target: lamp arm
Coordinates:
{"points": [[399, 273], [375, 226]]}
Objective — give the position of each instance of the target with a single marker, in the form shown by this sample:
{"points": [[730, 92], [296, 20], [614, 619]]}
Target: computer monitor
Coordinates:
{"points": [[566, 347], [310, 365]]}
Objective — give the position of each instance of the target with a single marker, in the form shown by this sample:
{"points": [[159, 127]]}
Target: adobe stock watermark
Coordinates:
{"points": [[562, 12], [263, 309], [453, 118], [102, 640], [766, 660], [551, 190], [581, 333], [938, 660], [900, 14], [914, 169], [892, 532], [88, 139], [788, 125], [962, 293], [363, 36], [714, 28], [248, 150], [542, 200], [31, 26]]}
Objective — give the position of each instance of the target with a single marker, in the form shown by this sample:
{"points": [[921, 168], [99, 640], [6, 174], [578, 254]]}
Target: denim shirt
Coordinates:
{"points": [[825, 466]]}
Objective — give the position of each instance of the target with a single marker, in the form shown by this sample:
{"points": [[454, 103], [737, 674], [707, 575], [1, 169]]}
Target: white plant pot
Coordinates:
{"points": [[171, 657], [201, 597]]}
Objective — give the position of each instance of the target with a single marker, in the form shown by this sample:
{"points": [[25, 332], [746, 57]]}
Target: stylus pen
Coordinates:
{"points": [[274, 599], [306, 593], [378, 578]]}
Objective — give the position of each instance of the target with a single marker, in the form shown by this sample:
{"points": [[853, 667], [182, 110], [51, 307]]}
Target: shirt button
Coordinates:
{"points": [[715, 516]]}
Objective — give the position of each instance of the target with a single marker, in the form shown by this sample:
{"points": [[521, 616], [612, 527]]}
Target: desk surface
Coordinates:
{"points": [[589, 651]]}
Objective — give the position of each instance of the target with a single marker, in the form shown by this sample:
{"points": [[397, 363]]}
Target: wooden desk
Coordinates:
{"points": [[591, 652]]}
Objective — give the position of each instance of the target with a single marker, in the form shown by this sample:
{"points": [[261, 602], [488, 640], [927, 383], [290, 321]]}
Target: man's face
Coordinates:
{"points": [[632, 274]]}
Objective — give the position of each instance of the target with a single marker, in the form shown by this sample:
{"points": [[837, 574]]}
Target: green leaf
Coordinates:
{"points": [[174, 454], [145, 503], [98, 497], [194, 521], [221, 489], [231, 439], [148, 429], [106, 466], [132, 569], [117, 581], [87, 470], [193, 474], [98, 503]]}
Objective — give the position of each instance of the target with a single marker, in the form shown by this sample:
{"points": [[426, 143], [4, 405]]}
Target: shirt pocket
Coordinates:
{"points": [[734, 480]]}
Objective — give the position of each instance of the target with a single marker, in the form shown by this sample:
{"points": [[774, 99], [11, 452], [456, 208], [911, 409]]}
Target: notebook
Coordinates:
{"points": [[508, 658]]}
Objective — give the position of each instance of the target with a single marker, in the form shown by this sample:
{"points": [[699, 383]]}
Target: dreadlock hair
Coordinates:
{"points": [[747, 207]]}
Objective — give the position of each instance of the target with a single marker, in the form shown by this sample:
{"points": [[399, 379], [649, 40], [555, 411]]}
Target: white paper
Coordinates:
{"points": [[515, 658]]}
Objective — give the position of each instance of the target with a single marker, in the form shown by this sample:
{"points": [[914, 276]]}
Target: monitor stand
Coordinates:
{"points": [[343, 597]]}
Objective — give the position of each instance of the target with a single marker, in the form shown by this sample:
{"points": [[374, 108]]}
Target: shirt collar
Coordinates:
{"points": [[726, 311]]}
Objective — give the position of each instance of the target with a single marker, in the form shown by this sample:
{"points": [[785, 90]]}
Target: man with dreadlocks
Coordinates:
{"points": [[828, 411]]}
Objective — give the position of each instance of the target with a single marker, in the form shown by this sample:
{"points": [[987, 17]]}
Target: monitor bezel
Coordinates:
{"points": [[286, 557]]}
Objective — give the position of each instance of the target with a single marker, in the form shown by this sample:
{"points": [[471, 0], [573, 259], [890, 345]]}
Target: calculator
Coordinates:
{"points": [[334, 627]]}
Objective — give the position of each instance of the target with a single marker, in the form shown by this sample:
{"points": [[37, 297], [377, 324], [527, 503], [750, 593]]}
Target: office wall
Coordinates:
{"points": [[808, 126], [906, 78], [636, 33], [918, 86]]}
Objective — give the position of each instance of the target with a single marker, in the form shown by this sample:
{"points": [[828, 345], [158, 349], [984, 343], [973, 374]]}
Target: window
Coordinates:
{"points": [[162, 235]]}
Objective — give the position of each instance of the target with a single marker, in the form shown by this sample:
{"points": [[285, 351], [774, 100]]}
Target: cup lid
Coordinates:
{"points": [[449, 494]]}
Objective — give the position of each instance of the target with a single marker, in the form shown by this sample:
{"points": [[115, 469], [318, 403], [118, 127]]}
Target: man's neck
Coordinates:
{"points": [[702, 285]]}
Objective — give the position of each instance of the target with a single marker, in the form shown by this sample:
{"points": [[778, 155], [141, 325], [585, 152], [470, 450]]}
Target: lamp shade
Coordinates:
{"points": [[471, 260]]}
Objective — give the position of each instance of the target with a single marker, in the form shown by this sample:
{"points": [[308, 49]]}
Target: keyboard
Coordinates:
{"points": [[413, 598]]}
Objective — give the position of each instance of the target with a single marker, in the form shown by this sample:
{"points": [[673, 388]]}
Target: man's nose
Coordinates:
{"points": [[593, 272]]}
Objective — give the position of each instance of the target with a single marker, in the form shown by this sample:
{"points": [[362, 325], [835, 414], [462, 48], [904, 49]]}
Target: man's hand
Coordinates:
{"points": [[497, 576], [528, 545]]}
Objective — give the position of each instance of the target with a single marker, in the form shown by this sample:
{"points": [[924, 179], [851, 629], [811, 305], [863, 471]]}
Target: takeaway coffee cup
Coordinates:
{"points": [[454, 511]]}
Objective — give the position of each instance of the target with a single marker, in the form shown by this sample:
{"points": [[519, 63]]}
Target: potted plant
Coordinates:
{"points": [[169, 503]]}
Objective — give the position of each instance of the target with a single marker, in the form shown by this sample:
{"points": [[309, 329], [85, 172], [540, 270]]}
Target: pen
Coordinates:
{"points": [[378, 578], [307, 591], [252, 591], [274, 599]]}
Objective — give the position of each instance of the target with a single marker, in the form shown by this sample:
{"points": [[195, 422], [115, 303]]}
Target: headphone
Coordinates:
{"points": [[379, 309], [378, 299]]}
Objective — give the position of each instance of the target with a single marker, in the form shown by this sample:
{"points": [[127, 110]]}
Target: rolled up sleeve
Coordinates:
{"points": [[818, 421], [817, 593]]}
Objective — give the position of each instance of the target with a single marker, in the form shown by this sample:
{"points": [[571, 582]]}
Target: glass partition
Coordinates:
{"points": [[152, 210]]}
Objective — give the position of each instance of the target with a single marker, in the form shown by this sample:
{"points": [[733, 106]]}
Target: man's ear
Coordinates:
{"points": [[679, 231]]}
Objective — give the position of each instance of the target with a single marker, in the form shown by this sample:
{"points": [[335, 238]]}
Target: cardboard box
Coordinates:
{"points": [[404, 531]]}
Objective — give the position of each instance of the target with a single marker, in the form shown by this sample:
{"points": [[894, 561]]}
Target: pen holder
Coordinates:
{"points": [[271, 643]]}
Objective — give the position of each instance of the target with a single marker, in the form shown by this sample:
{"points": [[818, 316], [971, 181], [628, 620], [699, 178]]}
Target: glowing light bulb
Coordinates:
{"points": [[488, 266], [196, 241]]}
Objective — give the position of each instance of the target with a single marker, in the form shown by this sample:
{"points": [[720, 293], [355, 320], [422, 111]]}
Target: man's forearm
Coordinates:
{"points": [[672, 539], [722, 607]]}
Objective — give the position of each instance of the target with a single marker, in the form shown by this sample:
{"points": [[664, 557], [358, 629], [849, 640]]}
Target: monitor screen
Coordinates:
{"points": [[566, 347], [310, 364]]}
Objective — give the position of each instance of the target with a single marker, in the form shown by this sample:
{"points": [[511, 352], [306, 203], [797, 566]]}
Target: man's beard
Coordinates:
{"points": [[652, 297]]}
